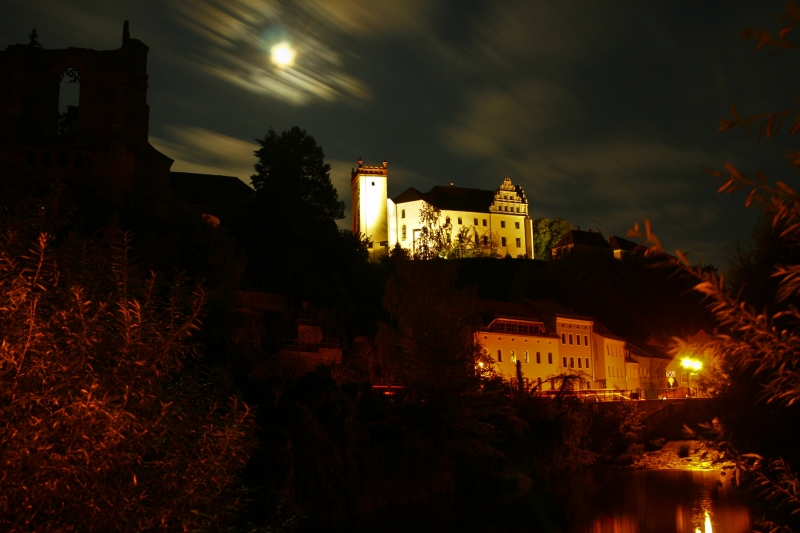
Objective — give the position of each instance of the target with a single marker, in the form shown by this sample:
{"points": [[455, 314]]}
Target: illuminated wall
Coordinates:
{"points": [[369, 206], [506, 348], [575, 347]]}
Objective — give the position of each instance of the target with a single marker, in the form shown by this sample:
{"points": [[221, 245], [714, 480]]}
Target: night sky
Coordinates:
{"points": [[605, 112]]}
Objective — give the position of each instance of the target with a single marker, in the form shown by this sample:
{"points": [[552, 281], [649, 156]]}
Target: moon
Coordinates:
{"points": [[282, 54]]}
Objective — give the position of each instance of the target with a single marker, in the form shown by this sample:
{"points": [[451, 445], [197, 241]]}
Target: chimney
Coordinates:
{"points": [[385, 164], [360, 161], [126, 33]]}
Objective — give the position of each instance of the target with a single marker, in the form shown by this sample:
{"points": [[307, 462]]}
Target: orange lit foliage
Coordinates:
{"points": [[761, 345], [103, 428]]}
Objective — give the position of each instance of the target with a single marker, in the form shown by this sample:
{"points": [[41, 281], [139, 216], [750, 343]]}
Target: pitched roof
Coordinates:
{"points": [[618, 243], [493, 309], [583, 238], [451, 198]]}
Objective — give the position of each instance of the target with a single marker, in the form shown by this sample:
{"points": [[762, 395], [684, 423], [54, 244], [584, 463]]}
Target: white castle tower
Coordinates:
{"points": [[368, 188]]}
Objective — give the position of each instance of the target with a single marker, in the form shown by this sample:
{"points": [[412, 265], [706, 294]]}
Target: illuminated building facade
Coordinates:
{"points": [[496, 222], [512, 332]]}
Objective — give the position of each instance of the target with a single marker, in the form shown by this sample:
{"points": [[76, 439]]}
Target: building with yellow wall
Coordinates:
{"points": [[512, 332], [496, 222]]}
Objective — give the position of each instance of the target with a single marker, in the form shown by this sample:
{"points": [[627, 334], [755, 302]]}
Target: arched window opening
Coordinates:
{"points": [[69, 96]]}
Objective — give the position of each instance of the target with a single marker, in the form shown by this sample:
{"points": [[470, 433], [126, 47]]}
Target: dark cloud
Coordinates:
{"points": [[604, 112]]}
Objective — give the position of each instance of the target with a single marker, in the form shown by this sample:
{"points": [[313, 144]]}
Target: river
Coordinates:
{"points": [[599, 500]]}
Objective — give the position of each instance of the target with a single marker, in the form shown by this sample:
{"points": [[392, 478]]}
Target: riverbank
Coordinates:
{"points": [[682, 455]]}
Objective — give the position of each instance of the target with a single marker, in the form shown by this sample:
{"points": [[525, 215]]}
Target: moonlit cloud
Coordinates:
{"points": [[204, 151], [240, 34]]}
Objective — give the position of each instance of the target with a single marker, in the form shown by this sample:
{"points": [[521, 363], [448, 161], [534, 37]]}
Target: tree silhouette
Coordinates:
{"points": [[291, 171]]}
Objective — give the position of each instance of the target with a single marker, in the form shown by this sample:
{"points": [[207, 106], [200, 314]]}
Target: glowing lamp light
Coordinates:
{"points": [[693, 364], [282, 54]]}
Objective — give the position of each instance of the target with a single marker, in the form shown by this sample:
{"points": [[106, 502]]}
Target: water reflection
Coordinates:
{"points": [[602, 500], [640, 501]]}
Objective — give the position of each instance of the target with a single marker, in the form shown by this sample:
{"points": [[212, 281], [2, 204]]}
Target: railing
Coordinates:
{"points": [[610, 395]]}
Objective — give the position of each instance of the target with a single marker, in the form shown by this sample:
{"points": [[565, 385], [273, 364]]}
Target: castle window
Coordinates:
{"points": [[476, 241], [484, 221], [403, 233], [570, 338], [403, 213], [527, 359], [578, 340], [476, 221], [516, 224], [587, 363], [579, 362], [572, 362], [517, 209], [586, 340], [538, 358], [563, 338], [502, 241], [459, 221], [549, 358], [513, 357], [518, 242], [499, 356], [564, 361], [373, 183], [69, 95], [485, 240], [502, 223]]}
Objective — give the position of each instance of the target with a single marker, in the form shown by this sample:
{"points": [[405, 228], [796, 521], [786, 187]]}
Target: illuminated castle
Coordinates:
{"points": [[496, 222]]}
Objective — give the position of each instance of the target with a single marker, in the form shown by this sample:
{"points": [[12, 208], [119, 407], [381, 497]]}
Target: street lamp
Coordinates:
{"points": [[694, 366]]}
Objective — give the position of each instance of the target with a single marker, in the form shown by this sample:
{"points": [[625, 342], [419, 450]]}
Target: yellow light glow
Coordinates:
{"points": [[688, 362], [708, 523], [282, 54]]}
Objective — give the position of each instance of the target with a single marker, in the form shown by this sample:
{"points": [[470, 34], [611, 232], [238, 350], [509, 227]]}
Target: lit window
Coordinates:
{"points": [[587, 363], [564, 360], [499, 356], [516, 224], [549, 358], [513, 357], [502, 241], [459, 221], [403, 213], [563, 338], [527, 359], [502, 223], [570, 338], [538, 358], [403, 233], [519, 244]]}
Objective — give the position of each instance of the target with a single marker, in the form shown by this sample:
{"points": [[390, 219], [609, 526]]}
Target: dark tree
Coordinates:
{"points": [[291, 170], [33, 39]]}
